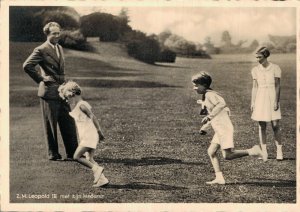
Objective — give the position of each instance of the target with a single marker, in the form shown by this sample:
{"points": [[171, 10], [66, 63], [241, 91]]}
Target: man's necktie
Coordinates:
{"points": [[57, 50]]}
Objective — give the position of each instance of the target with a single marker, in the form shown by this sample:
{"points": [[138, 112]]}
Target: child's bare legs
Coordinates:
{"points": [[276, 130], [277, 136], [95, 168], [263, 137], [78, 156], [230, 154], [212, 152], [262, 132], [102, 180], [91, 154]]}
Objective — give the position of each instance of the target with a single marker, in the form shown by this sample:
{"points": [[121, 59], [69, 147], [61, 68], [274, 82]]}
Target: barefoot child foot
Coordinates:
{"points": [[218, 180]]}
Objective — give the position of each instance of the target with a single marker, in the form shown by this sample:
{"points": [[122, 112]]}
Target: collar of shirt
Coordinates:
{"points": [[266, 68], [51, 44]]}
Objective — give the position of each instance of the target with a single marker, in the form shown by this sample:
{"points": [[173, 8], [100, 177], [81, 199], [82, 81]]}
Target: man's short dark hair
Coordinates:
{"points": [[46, 28]]}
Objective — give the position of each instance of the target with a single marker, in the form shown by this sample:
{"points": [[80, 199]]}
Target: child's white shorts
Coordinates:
{"points": [[223, 130]]}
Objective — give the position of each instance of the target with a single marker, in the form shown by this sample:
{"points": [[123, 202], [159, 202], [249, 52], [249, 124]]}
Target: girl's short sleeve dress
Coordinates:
{"points": [[88, 135], [266, 95]]}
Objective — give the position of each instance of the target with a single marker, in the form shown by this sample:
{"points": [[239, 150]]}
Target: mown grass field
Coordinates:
{"points": [[153, 152]]}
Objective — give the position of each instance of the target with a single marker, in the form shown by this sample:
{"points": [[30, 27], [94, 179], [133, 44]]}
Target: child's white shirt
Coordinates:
{"points": [[214, 104], [220, 121]]}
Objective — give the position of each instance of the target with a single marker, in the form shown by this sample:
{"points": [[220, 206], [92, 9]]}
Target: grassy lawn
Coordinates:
{"points": [[153, 151]]}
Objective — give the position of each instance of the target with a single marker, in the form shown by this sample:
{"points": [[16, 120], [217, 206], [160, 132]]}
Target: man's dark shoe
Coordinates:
{"points": [[55, 157], [69, 159]]}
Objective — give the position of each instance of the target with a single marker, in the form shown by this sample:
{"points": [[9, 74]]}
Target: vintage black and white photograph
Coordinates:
{"points": [[152, 104]]}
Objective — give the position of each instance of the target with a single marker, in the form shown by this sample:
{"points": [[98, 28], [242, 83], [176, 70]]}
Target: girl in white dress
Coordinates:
{"points": [[265, 99], [88, 128], [218, 116]]}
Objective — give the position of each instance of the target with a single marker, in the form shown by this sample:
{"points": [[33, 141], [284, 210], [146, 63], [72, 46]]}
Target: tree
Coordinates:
{"points": [[123, 15], [180, 45], [26, 23], [103, 25], [146, 49], [240, 43], [163, 36], [281, 42], [254, 45], [209, 46], [291, 47], [226, 39]]}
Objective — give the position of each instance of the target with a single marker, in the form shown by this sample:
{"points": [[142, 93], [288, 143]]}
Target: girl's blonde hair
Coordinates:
{"points": [[69, 88]]}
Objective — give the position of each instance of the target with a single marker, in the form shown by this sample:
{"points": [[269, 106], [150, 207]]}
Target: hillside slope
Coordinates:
{"points": [[108, 61]]}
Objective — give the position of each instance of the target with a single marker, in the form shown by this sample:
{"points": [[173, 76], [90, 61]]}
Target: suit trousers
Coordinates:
{"points": [[56, 112]]}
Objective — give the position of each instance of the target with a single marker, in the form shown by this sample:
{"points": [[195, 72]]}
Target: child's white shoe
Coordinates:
{"points": [[279, 155], [97, 172], [102, 181], [257, 151]]}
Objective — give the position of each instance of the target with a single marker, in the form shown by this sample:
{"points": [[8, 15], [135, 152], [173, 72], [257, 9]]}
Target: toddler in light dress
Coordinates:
{"points": [[88, 128]]}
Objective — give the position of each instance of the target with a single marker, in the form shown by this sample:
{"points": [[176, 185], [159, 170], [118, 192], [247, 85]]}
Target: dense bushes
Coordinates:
{"points": [[283, 44], [167, 56], [103, 25], [142, 47], [180, 46], [74, 40]]}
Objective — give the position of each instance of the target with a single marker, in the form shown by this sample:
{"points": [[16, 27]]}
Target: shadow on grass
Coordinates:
{"points": [[146, 161], [170, 66], [274, 158], [99, 74], [138, 185], [122, 83], [263, 182], [94, 65]]}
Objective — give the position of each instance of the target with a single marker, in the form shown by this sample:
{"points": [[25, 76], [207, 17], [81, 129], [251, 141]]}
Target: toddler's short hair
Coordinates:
{"points": [[203, 78], [264, 51], [46, 28], [69, 88]]}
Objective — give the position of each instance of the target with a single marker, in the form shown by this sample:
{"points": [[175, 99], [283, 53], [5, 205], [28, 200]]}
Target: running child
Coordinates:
{"points": [[220, 122], [88, 128]]}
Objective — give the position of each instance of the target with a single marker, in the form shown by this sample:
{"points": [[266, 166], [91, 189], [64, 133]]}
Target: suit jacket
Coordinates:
{"points": [[45, 56]]}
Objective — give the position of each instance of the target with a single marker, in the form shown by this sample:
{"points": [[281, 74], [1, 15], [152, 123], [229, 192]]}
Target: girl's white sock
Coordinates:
{"points": [[95, 167], [219, 175], [264, 147]]}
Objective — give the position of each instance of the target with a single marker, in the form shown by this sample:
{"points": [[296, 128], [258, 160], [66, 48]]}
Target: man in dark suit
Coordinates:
{"points": [[49, 57]]}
